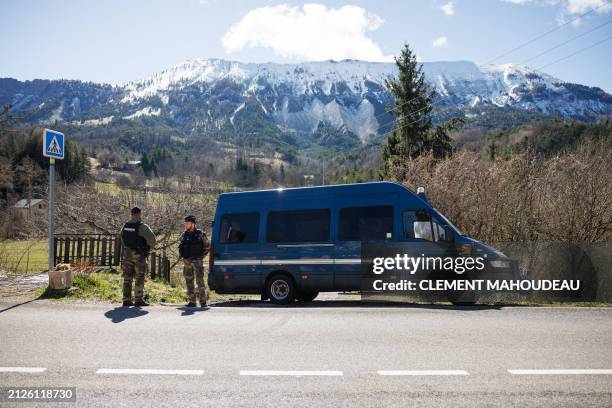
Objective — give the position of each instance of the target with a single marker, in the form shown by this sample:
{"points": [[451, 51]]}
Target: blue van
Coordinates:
{"points": [[289, 244]]}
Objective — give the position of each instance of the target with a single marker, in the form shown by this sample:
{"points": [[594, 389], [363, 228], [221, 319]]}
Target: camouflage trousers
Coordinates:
{"points": [[195, 268], [134, 268]]}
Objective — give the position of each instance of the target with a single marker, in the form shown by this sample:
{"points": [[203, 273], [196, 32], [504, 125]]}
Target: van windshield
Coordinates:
{"points": [[447, 221]]}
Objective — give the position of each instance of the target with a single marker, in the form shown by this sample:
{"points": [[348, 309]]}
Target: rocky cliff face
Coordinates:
{"points": [[206, 94]]}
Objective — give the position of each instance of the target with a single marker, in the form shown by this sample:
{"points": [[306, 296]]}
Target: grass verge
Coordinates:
{"points": [[23, 257], [107, 286]]}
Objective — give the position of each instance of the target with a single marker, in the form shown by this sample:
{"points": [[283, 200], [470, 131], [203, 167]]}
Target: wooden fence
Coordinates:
{"points": [[103, 250], [159, 266]]}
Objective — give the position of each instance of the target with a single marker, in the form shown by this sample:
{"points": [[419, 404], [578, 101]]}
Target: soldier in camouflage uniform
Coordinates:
{"points": [[193, 247], [138, 240]]}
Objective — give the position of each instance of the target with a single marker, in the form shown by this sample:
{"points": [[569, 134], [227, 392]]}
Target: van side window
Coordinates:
{"points": [[420, 225], [298, 226], [239, 228], [366, 223]]}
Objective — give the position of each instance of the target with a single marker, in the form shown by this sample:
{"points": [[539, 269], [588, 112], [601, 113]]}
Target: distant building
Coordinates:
{"points": [[129, 165], [35, 203]]}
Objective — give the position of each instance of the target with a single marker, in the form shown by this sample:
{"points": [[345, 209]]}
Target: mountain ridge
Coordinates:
{"points": [[205, 95]]}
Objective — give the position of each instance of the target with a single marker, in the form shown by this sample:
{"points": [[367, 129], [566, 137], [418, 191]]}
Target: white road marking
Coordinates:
{"points": [[572, 371], [22, 369], [141, 371], [423, 372], [290, 373]]}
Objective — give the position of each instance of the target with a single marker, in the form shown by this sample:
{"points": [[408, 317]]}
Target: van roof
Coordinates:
{"points": [[288, 193]]}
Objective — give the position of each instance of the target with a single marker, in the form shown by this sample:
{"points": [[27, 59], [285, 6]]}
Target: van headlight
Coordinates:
{"points": [[500, 263]]}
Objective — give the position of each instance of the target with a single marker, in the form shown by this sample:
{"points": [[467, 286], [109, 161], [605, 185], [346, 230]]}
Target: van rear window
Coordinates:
{"points": [[365, 223], [237, 228], [298, 226]]}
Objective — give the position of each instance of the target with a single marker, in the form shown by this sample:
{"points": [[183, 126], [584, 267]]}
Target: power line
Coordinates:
{"points": [[575, 53], [507, 53], [543, 66], [605, 3], [409, 114], [521, 46], [566, 42], [397, 106], [403, 125]]}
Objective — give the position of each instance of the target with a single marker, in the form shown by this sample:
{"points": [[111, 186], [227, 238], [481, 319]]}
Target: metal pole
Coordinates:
{"points": [[323, 172], [51, 211]]}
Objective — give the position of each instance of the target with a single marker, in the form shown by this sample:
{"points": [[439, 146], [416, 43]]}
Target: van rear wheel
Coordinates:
{"points": [[281, 289], [307, 296]]}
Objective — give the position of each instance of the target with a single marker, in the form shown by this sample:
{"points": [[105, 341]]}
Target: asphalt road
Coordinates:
{"points": [[324, 354]]}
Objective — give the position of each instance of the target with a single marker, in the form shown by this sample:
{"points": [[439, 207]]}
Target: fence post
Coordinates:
{"points": [[160, 266], [90, 254], [167, 267], [109, 255], [103, 255], [117, 254], [66, 250], [79, 252], [152, 265], [72, 251], [98, 249], [55, 250], [58, 251]]}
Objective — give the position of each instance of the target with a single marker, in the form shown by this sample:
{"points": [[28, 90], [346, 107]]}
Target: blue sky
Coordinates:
{"points": [[115, 41]]}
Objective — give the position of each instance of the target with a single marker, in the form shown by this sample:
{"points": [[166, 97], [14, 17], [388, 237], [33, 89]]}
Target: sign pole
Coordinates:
{"points": [[51, 212], [53, 148]]}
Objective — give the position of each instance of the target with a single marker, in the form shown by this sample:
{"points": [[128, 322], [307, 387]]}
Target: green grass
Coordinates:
{"points": [[24, 257], [107, 286], [107, 187]]}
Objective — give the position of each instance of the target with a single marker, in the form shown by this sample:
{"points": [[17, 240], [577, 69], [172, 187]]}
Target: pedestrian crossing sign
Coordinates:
{"points": [[53, 144]]}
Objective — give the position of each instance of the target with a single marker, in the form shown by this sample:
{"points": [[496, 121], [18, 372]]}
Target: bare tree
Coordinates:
{"points": [[567, 198]]}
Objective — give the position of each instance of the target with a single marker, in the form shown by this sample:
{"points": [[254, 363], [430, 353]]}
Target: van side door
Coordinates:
{"points": [[297, 240], [360, 218]]}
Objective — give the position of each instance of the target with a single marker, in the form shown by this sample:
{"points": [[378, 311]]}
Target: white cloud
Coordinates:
{"points": [[582, 6], [448, 8], [312, 32], [572, 6], [440, 42]]}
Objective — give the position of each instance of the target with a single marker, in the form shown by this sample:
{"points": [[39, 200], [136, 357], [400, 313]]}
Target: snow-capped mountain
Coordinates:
{"points": [[210, 94]]}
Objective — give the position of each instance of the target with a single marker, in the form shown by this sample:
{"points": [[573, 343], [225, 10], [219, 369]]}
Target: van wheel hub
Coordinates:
{"points": [[279, 289]]}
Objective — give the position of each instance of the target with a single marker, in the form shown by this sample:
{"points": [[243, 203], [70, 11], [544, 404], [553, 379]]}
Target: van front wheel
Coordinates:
{"points": [[281, 289]]}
